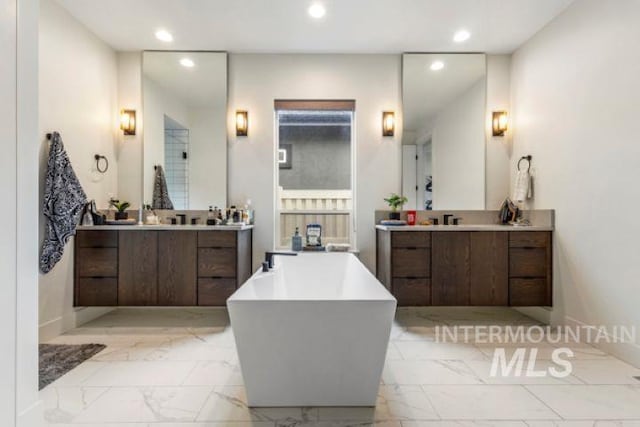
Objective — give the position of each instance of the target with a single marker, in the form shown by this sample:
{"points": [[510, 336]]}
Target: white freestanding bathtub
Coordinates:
{"points": [[313, 331]]}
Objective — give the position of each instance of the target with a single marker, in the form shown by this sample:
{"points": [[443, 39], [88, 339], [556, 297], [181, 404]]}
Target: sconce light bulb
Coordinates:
{"points": [[242, 123], [388, 123]]}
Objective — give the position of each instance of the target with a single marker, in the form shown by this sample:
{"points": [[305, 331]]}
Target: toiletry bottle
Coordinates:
{"points": [[87, 219], [249, 212], [296, 241], [211, 217]]}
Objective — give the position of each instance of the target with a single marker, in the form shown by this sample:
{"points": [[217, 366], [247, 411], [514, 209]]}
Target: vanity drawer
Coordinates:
{"points": [[529, 239], [529, 292], [410, 292], [94, 291], [411, 262], [97, 262], [410, 239], [97, 239], [215, 291], [528, 262], [216, 262], [217, 239]]}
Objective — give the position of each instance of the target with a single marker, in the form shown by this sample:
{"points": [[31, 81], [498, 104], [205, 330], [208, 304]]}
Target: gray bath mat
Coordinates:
{"points": [[58, 359]]}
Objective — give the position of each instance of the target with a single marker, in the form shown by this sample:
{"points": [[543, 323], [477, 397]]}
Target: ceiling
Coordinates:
{"points": [[425, 92], [349, 26]]}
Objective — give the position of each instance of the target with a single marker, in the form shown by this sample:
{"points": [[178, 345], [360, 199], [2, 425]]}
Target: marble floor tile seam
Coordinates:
{"points": [[542, 401], [204, 403], [595, 387], [507, 386], [96, 402]]}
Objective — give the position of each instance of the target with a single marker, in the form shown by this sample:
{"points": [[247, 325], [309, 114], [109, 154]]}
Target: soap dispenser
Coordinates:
{"points": [[296, 241], [211, 216]]}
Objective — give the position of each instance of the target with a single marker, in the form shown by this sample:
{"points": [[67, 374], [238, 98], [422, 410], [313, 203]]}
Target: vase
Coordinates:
{"points": [[121, 215], [394, 215]]}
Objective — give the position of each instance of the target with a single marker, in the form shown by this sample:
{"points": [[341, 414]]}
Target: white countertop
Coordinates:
{"points": [[172, 227], [463, 227]]}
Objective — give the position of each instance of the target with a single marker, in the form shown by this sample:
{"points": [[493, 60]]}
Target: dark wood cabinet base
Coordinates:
{"points": [[466, 268], [160, 267]]}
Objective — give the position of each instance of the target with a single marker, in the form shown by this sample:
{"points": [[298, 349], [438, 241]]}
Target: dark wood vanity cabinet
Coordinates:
{"points": [[530, 268], [177, 278], [96, 268], [137, 268], [405, 266], [489, 268], [160, 267], [466, 268], [224, 263]]}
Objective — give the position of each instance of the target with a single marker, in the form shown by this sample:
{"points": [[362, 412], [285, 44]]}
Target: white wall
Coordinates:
{"points": [[18, 188], [256, 80], [78, 98], [458, 141], [8, 191], [498, 148], [129, 147], [576, 100]]}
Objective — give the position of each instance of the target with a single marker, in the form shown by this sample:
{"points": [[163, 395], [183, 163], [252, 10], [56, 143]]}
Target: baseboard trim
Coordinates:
{"points": [[79, 316], [628, 352], [33, 416]]}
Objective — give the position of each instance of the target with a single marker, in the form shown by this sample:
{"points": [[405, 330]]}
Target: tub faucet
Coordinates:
{"points": [[268, 256]]}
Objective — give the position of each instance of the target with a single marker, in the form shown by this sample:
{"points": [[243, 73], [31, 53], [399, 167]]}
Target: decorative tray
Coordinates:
{"points": [[130, 221], [393, 222]]}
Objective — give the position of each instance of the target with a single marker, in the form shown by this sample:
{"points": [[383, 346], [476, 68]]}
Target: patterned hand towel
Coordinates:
{"points": [[161, 198], [64, 200]]}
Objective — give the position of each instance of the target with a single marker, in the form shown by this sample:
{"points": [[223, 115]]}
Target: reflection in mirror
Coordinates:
{"points": [[443, 142], [185, 110]]}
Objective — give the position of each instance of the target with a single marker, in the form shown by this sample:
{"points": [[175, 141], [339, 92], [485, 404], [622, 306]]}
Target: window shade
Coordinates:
{"points": [[324, 104]]}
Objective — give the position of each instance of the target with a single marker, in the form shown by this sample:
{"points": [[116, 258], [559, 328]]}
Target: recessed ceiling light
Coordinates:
{"points": [[461, 36], [186, 62], [437, 65], [317, 10], [164, 35]]}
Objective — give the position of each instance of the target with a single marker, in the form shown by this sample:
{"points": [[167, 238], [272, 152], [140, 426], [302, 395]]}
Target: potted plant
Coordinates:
{"points": [[395, 201], [121, 209]]}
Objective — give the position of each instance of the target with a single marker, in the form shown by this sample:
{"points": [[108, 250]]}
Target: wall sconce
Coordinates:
{"points": [[128, 121], [242, 123], [499, 123], [388, 123]]}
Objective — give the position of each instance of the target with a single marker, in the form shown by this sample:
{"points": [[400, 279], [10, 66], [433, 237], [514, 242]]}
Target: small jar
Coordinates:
{"points": [[411, 217]]}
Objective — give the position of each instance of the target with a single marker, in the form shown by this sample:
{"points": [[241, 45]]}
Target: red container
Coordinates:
{"points": [[411, 217]]}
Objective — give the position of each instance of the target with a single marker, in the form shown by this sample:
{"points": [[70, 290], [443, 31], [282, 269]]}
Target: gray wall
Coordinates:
{"points": [[321, 158]]}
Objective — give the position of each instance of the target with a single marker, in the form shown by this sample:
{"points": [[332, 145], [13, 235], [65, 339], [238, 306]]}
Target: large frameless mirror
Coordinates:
{"points": [[443, 142], [185, 142]]}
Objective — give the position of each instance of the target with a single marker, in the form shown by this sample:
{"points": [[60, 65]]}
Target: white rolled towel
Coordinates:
{"points": [[522, 187]]}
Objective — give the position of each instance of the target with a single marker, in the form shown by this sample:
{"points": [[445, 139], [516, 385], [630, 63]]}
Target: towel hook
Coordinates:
{"points": [[528, 159], [98, 158]]}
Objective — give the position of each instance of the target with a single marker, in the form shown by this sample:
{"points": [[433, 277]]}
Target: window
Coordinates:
{"points": [[315, 169]]}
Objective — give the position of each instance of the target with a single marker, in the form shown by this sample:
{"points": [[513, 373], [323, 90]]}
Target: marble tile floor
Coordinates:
{"points": [[179, 368]]}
